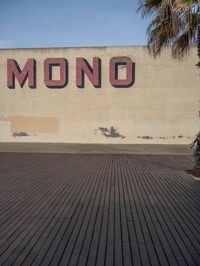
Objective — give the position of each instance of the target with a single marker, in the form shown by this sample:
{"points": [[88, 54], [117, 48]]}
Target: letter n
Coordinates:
{"points": [[93, 74], [115, 62], [28, 72]]}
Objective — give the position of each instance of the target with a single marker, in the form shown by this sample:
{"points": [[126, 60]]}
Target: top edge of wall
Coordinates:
{"points": [[82, 47], [73, 47]]}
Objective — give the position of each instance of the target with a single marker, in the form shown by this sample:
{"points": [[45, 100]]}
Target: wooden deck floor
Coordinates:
{"points": [[73, 209]]}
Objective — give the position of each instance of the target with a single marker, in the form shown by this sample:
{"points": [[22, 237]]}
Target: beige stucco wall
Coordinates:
{"points": [[162, 106]]}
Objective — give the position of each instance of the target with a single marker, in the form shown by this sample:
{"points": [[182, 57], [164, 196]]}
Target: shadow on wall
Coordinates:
{"points": [[110, 133]]}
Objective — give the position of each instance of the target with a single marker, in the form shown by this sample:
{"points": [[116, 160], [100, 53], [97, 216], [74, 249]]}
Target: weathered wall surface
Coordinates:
{"points": [[162, 106]]}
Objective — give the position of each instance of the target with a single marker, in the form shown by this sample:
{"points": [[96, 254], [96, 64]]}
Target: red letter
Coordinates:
{"points": [[94, 75], [28, 72], [48, 64], [114, 63]]}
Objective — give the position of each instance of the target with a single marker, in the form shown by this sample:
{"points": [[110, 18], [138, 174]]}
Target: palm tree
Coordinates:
{"points": [[175, 23]]}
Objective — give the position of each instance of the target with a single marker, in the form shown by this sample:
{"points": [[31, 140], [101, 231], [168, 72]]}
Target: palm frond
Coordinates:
{"points": [[182, 44], [149, 7], [175, 23]]}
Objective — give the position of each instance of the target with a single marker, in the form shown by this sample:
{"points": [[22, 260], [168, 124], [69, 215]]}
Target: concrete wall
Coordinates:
{"points": [[162, 106]]}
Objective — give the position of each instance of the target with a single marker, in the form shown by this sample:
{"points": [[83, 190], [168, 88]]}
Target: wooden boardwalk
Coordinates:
{"points": [[73, 209]]}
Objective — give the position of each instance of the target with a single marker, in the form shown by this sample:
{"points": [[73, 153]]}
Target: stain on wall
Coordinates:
{"points": [[110, 133], [145, 137], [161, 137], [20, 134]]}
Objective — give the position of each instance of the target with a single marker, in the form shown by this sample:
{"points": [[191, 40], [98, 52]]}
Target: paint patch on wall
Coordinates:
{"points": [[48, 125]]}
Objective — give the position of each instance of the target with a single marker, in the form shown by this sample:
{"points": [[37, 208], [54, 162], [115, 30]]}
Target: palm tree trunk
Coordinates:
{"points": [[197, 151], [198, 33], [198, 44]]}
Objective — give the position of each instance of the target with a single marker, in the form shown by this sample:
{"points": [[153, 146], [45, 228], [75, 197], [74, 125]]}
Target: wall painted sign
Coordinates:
{"points": [[83, 68], [98, 95]]}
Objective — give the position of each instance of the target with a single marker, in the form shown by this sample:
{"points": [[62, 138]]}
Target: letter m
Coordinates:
{"points": [[28, 72]]}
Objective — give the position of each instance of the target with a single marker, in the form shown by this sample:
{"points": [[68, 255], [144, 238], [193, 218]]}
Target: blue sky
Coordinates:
{"points": [[64, 23]]}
